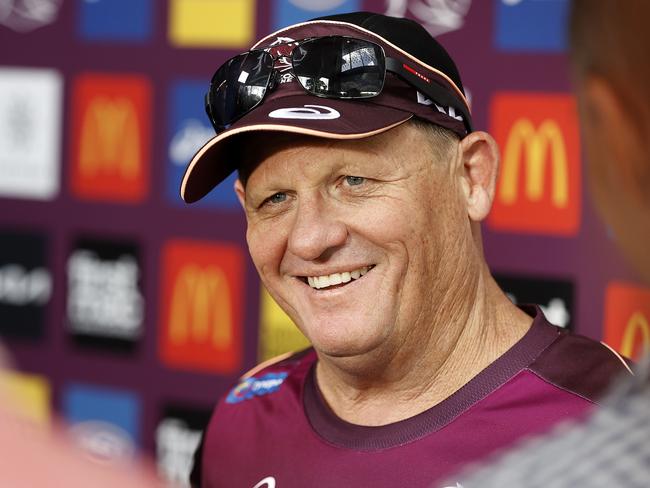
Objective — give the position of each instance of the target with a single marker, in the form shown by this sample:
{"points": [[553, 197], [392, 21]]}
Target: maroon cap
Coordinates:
{"points": [[289, 108]]}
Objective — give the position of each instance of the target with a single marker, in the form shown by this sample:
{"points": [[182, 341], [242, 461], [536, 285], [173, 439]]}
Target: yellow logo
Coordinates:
{"points": [[534, 145], [278, 333], [28, 395], [200, 308], [110, 141], [211, 23], [637, 327]]}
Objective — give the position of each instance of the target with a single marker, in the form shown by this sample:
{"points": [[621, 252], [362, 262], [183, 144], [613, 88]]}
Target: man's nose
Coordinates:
{"points": [[315, 230]]}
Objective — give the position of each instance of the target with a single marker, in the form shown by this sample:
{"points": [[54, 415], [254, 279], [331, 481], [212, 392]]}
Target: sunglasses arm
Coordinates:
{"points": [[431, 89]]}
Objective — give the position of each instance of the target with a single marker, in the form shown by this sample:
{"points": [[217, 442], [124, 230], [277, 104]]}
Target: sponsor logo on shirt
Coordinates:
{"points": [[105, 298], [177, 437], [25, 284], [531, 25], [252, 387], [539, 186], [111, 134], [30, 132], [268, 482], [225, 23], [627, 319], [104, 421], [201, 319]]}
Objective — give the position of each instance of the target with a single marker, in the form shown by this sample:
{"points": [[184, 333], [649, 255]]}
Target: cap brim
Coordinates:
{"points": [[300, 114]]}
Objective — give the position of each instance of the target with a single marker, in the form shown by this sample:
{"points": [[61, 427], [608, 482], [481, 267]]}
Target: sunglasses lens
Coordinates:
{"points": [[238, 86], [340, 67]]}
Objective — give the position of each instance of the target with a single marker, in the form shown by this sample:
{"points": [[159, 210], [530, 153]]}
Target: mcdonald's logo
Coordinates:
{"points": [[627, 319], [539, 186], [278, 333], [201, 326], [111, 137]]}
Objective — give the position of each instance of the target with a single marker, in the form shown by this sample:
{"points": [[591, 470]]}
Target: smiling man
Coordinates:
{"points": [[364, 184]]}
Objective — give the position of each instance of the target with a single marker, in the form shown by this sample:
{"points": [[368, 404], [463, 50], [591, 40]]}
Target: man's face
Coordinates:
{"points": [[355, 239], [619, 166]]}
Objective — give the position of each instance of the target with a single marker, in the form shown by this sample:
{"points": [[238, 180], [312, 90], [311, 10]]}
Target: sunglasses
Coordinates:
{"points": [[332, 67]]}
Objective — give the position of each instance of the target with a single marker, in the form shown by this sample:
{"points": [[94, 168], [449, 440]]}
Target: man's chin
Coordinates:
{"points": [[347, 347]]}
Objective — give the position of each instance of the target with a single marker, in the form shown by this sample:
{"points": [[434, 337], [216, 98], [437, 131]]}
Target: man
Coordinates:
{"points": [[364, 185], [608, 47]]}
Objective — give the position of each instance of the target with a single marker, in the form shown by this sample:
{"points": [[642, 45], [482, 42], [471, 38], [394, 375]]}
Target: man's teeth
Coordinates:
{"points": [[336, 278]]}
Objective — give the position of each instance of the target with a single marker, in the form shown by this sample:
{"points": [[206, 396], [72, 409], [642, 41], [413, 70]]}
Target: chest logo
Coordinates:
{"points": [[252, 387], [268, 482]]}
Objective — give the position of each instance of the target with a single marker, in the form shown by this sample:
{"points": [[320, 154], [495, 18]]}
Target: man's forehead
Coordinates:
{"points": [[283, 153]]}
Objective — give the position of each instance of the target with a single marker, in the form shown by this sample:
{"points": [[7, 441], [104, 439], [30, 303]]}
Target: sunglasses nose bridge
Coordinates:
{"points": [[273, 81]]}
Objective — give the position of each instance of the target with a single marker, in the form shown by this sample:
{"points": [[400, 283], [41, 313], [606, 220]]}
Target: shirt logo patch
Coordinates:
{"points": [[306, 112], [268, 482], [251, 387]]}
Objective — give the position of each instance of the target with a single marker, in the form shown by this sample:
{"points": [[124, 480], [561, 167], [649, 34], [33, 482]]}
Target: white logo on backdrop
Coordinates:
{"points": [[27, 15], [188, 140], [103, 441], [103, 295], [437, 16], [306, 112], [30, 132], [317, 5], [21, 287], [175, 446], [557, 312]]}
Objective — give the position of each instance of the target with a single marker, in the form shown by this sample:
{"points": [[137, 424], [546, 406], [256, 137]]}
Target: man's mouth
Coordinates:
{"points": [[335, 279]]}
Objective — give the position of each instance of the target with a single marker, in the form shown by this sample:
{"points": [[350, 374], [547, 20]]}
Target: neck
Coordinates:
{"points": [[443, 349]]}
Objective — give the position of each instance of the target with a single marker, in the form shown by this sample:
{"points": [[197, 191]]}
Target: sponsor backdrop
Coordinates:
{"points": [[129, 313]]}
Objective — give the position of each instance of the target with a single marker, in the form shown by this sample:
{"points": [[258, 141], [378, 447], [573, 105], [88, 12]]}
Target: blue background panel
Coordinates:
{"points": [[288, 12], [120, 20], [189, 129], [531, 25], [82, 403]]}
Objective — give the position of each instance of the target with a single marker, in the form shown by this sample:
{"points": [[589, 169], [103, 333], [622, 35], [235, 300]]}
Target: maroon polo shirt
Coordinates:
{"points": [[274, 429]]}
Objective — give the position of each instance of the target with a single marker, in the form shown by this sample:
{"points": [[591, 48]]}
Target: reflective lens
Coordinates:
{"points": [[339, 67], [334, 66], [238, 86]]}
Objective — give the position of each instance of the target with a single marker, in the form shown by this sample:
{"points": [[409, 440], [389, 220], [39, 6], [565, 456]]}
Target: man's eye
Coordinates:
{"points": [[277, 198], [354, 180]]}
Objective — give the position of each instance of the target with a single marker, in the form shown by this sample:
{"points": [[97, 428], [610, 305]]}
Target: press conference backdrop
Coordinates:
{"points": [[128, 313]]}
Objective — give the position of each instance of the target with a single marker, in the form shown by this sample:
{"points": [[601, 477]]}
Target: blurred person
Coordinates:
{"points": [[364, 184], [611, 72], [609, 42], [32, 455]]}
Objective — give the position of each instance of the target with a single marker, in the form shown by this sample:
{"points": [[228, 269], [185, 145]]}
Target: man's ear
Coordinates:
{"points": [[480, 164], [241, 192]]}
